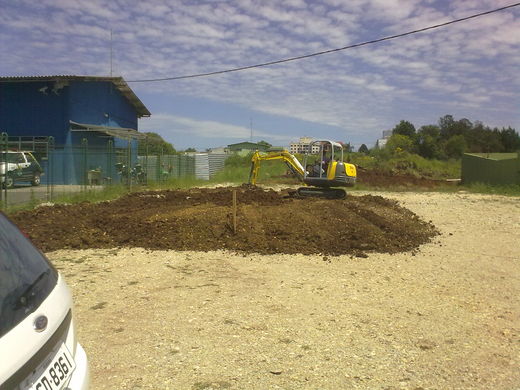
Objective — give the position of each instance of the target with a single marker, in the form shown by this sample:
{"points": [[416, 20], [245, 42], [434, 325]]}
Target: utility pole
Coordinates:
{"points": [[111, 53], [251, 126]]}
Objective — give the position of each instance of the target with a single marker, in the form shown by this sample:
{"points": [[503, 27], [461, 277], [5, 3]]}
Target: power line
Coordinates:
{"points": [[319, 53]]}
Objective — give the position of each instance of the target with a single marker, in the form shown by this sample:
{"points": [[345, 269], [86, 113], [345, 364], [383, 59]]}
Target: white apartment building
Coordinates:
{"points": [[381, 142], [302, 146]]}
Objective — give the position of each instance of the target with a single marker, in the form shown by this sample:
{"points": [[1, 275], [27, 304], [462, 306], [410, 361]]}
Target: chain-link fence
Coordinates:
{"points": [[35, 170], [163, 167]]}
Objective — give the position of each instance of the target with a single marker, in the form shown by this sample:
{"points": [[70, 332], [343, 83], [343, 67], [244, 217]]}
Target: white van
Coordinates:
{"points": [[38, 346]]}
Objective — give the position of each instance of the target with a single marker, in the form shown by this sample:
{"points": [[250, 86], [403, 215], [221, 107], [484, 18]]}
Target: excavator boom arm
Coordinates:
{"points": [[291, 161]]}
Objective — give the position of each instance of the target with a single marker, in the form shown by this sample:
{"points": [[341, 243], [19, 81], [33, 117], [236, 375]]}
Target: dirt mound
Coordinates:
{"points": [[201, 219]]}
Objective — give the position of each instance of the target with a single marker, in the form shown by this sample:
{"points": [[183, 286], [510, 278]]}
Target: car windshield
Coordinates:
{"points": [[26, 277], [13, 158]]}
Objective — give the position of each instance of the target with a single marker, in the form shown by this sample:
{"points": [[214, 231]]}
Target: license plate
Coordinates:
{"points": [[55, 374]]}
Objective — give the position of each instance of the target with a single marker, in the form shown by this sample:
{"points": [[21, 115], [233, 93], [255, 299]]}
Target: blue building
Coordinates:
{"points": [[92, 121]]}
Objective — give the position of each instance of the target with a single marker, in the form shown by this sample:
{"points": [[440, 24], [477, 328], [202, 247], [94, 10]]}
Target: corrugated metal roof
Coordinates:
{"points": [[119, 83], [119, 132]]}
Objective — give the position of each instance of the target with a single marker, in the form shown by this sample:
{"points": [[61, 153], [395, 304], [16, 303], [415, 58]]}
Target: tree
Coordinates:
{"points": [[190, 150], [450, 127], [363, 149], [427, 141], [399, 143], [510, 140], [404, 128], [455, 146], [446, 123], [481, 139], [462, 126], [265, 143], [155, 144]]}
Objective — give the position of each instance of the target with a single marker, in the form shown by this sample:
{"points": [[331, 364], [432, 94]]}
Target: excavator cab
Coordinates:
{"points": [[325, 166]]}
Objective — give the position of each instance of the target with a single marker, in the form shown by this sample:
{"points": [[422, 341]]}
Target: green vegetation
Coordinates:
{"points": [[451, 138], [363, 149], [92, 195], [402, 162], [434, 151], [237, 170], [482, 188], [154, 144]]}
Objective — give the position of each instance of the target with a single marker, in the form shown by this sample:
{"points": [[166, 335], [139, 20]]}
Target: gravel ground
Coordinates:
{"points": [[446, 316]]}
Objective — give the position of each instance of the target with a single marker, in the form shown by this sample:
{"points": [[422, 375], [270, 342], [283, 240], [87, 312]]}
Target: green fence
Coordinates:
{"points": [[91, 165], [164, 167], [86, 166], [491, 168]]}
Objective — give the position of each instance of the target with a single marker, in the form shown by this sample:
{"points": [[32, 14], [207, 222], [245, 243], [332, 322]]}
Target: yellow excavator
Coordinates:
{"points": [[324, 169]]}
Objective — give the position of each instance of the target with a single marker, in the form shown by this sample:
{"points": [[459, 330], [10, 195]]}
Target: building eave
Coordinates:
{"points": [[118, 132]]}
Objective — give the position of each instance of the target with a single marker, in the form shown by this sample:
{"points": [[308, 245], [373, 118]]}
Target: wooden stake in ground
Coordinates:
{"points": [[235, 211]]}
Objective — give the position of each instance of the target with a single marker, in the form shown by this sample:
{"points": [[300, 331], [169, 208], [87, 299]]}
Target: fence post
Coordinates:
{"points": [[129, 164], [50, 168], [4, 146], [84, 145], [158, 168], [110, 151], [147, 150]]}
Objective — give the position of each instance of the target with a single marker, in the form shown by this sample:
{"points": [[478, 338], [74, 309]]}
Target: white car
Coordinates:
{"points": [[21, 166], [38, 346]]}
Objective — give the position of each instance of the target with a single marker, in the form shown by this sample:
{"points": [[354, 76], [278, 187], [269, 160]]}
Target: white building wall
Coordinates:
{"points": [[302, 146]]}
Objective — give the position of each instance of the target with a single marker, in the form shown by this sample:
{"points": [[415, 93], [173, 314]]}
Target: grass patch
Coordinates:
{"points": [[483, 188], [237, 169], [410, 164], [92, 195]]}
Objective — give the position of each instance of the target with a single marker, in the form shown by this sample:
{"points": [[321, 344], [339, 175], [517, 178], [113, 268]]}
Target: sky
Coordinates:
{"points": [[469, 70]]}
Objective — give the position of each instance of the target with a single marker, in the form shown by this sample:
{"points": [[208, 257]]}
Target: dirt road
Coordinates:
{"points": [[446, 316]]}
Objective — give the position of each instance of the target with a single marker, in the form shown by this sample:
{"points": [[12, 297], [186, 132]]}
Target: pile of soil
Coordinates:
{"points": [[201, 219]]}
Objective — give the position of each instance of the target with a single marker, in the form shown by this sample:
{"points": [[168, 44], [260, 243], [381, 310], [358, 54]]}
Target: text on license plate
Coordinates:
{"points": [[56, 374]]}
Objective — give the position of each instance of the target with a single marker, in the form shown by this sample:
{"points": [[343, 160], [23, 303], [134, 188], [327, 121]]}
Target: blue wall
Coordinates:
{"points": [[41, 109], [69, 165], [37, 109], [100, 103], [33, 109]]}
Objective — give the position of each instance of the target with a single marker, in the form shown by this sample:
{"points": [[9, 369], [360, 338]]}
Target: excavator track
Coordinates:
{"points": [[325, 193]]}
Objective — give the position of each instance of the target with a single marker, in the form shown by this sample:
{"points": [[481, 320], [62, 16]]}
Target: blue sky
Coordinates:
{"points": [[470, 70]]}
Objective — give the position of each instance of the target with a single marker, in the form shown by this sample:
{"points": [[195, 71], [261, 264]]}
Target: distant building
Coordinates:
{"points": [[303, 145], [246, 147], [381, 142], [219, 150]]}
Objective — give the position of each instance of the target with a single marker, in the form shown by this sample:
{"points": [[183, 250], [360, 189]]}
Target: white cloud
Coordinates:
{"points": [[178, 128], [474, 63]]}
